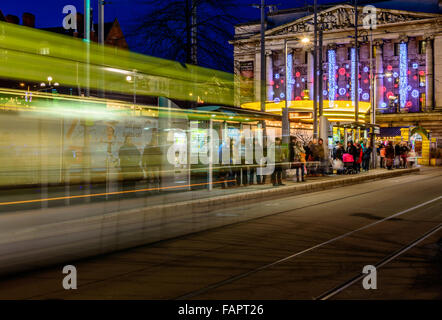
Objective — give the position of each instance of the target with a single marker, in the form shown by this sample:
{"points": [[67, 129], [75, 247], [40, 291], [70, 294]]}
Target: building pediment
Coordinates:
{"points": [[342, 17]]}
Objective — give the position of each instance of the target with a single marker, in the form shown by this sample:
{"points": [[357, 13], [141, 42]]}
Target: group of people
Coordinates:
{"points": [[303, 159], [396, 156], [355, 156], [131, 158], [313, 153], [294, 156]]}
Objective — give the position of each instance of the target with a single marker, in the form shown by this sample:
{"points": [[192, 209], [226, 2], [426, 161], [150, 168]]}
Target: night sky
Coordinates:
{"points": [[49, 12]]}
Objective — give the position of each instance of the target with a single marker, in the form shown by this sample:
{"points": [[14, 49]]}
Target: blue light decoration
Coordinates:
{"points": [[383, 105], [282, 95], [276, 100], [409, 88], [415, 65], [290, 80], [365, 96], [422, 84], [365, 69], [276, 75], [353, 75], [403, 74], [325, 92], [415, 93], [331, 78], [395, 74], [342, 91]]}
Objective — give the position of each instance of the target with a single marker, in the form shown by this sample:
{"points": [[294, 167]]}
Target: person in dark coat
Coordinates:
{"points": [[351, 149], [130, 158], [152, 161], [366, 158], [397, 155], [389, 155]]}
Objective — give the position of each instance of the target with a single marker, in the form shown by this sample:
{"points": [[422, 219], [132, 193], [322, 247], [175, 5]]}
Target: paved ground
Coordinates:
{"points": [[310, 244]]}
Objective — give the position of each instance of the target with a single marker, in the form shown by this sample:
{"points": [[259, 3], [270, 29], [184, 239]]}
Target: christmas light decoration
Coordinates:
{"points": [[290, 80], [332, 77], [353, 74], [403, 72]]}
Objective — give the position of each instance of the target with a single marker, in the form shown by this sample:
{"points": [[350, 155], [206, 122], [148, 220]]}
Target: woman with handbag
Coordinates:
{"points": [[298, 160]]}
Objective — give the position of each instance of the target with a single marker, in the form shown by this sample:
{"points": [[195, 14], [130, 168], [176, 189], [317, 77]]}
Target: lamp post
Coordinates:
{"points": [[315, 71], [372, 103], [285, 111]]}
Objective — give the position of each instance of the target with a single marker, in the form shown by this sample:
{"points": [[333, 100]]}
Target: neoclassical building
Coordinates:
{"points": [[407, 65]]}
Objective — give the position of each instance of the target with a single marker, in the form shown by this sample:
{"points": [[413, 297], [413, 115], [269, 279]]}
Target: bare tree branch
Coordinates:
{"points": [[164, 30]]}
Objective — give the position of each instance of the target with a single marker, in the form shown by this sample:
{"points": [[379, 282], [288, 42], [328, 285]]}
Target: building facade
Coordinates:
{"points": [[406, 64]]}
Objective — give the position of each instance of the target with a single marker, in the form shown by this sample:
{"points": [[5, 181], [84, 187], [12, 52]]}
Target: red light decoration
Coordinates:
{"points": [[272, 83], [422, 73], [396, 85], [408, 72], [409, 104], [298, 74], [298, 98], [415, 77], [389, 68], [337, 95], [347, 94], [282, 80], [383, 89], [336, 76], [342, 71], [366, 81], [277, 87], [302, 93], [359, 76], [389, 94], [325, 78]]}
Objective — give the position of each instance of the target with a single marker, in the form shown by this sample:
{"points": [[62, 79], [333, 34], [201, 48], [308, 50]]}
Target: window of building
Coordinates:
{"points": [[422, 80], [396, 49], [422, 47], [422, 101]]}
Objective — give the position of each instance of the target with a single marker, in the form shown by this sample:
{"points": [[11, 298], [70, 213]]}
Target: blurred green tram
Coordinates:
{"points": [[53, 139]]}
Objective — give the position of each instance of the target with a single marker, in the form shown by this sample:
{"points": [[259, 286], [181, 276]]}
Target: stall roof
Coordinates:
{"points": [[231, 111]]}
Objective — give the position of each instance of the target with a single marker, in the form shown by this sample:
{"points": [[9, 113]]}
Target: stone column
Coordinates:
{"points": [[379, 70], [269, 66], [429, 81], [438, 73]]}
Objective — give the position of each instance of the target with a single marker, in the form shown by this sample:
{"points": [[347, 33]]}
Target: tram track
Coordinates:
{"points": [[346, 284], [320, 245]]}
